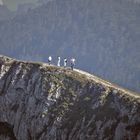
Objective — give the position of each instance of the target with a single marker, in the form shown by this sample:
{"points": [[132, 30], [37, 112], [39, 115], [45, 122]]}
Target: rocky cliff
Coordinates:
{"points": [[41, 102]]}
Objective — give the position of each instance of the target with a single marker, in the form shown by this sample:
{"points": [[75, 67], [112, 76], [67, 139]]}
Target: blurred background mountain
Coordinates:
{"points": [[103, 36], [5, 13]]}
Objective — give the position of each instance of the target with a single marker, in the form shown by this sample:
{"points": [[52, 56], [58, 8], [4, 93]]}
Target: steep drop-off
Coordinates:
{"points": [[42, 102]]}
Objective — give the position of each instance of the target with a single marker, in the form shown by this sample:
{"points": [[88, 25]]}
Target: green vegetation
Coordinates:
{"points": [[87, 99]]}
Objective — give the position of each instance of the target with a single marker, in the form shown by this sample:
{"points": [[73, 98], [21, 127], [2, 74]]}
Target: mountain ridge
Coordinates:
{"points": [[39, 102], [87, 74]]}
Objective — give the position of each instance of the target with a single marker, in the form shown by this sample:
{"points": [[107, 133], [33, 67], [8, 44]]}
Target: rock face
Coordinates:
{"points": [[41, 102]]}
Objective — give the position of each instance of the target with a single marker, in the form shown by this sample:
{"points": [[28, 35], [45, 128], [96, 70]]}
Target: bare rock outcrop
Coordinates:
{"points": [[41, 102]]}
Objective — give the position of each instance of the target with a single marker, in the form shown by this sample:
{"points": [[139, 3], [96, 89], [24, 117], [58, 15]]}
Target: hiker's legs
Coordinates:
{"points": [[72, 66]]}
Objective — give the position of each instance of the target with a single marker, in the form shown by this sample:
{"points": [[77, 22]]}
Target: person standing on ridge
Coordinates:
{"points": [[58, 62], [65, 62], [49, 60], [72, 61]]}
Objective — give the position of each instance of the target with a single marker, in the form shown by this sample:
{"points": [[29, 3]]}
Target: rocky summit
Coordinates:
{"points": [[42, 102]]}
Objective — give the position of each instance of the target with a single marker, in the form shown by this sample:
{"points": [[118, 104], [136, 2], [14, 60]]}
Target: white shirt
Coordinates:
{"points": [[50, 58], [58, 63]]}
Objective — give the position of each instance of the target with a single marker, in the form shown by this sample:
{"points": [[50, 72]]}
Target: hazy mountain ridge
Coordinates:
{"points": [[103, 36], [39, 102]]}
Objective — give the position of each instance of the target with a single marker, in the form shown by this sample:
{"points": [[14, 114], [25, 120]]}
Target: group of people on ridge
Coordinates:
{"points": [[72, 61]]}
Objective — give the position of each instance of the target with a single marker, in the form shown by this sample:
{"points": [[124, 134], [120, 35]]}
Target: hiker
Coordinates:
{"points": [[65, 62], [72, 61], [49, 60], [58, 62]]}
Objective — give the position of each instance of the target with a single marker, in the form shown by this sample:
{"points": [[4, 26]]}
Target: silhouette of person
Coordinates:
{"points": [[72, 63], [58, 62], [49, 60], [65, 62]]}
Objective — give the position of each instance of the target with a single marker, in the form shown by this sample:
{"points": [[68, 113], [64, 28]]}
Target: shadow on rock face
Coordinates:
{"points": [[6, 131]]}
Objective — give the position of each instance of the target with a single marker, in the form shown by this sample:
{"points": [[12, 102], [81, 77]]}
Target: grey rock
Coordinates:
{"points": [[41, 102]]}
